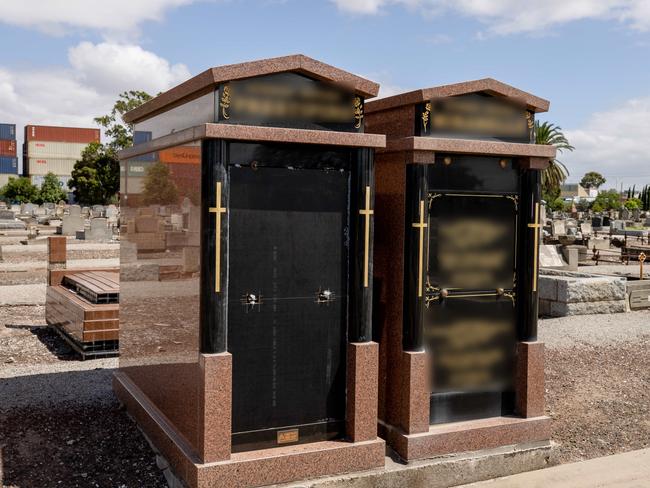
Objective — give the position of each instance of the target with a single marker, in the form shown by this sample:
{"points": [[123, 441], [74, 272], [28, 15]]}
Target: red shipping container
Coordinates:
{"points": [[8, 148], [61, 134], [181, 155]]}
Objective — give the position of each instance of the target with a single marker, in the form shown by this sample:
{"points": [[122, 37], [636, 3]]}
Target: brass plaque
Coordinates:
{"points": [[288, 436]]}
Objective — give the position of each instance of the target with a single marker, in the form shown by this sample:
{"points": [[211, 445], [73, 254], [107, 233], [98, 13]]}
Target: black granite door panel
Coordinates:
{"points": [[470, 316], [287, 303]]}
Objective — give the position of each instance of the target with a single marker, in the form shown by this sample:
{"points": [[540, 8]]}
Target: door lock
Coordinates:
{"points": [[325, 296]]}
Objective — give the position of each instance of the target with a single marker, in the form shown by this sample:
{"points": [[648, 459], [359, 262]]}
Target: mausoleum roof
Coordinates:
{"points": [[204, 82], [486, 85]]}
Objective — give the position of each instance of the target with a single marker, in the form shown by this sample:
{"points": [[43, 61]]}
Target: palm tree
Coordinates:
{"points": [[556, 173]]}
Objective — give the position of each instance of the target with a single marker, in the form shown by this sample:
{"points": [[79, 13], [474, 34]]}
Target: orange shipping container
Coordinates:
{"points": [[61, 134], [8, 148], [181, 155]]}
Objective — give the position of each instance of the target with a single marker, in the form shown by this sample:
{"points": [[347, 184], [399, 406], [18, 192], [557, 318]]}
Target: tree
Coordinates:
{"points": [[51, 190], [633, 203], [592, 179], [19, 190], [159, 189], [607, 200], [121, 134], [556, 173], [96, 177]]}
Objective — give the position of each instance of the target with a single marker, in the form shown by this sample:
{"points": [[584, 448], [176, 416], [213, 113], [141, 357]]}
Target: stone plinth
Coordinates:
{"points": [[560, 296]]}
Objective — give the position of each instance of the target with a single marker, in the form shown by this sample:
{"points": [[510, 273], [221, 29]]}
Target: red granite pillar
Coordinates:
{"points": [[56, 249], [363, 380], [215, 407], [530, 379], [414, 410], [56, 258]]}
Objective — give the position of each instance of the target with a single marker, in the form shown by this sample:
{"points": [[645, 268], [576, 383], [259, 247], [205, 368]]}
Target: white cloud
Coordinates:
{"points": [[60, 16], [511, 16], [73, 95], [108, 67], [613, 143]]}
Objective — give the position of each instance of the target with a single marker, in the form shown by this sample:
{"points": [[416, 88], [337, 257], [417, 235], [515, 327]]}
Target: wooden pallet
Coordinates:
{"points": [[95, 286], [83, 309]]}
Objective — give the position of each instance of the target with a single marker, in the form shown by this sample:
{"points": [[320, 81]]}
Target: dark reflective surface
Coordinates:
{"points": [[287, 296], [289, 155], [470, 317], [473, 174], [472, 241], [289, 100], [477, 116]]}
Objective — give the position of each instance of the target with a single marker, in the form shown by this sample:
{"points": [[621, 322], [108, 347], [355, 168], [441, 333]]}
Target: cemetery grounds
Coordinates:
{"points": [[60, 424]]}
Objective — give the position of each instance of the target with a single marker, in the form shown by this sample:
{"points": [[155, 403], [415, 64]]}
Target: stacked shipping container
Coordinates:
{"points": [[54, 150], [8, 159]]}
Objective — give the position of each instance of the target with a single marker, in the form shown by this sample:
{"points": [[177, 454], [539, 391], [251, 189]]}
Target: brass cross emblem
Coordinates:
{"points": [[535, 226], [218, 210], [642, 258], [366, 212], [420, 225]]}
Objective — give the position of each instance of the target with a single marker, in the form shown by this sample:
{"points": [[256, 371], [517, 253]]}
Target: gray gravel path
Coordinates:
{"points": [[595, 330], [71, 263], [22, 295], [45, 385]]}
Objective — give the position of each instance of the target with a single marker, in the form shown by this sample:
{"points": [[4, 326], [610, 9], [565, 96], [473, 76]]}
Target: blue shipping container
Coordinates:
{"points": [[9, 165], [140, 137], [8, 131]]}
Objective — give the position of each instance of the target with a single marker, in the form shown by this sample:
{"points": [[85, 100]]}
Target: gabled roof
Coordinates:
{"points": [[487, 85], [298, 63]]}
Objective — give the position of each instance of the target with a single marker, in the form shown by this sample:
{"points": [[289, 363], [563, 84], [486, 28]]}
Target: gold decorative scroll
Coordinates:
{"points": [[366, 212], [358, 112], [530, 120], [535, 226], [218, 210], [425, 115], [421, 225], [225, 102]]}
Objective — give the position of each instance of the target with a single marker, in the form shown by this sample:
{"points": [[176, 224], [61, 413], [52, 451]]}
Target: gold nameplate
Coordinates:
{"points": [[288, 436]]}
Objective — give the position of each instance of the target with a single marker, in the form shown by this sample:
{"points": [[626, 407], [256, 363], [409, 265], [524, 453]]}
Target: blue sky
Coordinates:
{"points": [[64, 61]]}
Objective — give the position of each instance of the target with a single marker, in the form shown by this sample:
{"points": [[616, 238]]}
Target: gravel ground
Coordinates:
{"points": [[63, 427], [33, 294], [595, 330]]}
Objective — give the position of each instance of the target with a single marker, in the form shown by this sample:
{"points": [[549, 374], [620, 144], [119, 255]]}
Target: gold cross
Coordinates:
{"points": [[366, 212], [536, 226], [217, 238], [642, 258], [420, 225]]}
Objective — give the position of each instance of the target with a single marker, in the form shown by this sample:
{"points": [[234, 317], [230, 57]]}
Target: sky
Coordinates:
{"points": [[64, 62]]}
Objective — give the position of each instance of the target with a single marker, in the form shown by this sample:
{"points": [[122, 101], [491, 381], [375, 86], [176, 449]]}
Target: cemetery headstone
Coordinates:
{"points": [[559, 228], [99, 230], [72, 222]]}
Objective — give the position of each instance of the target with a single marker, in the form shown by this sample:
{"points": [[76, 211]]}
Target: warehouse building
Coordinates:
{"points": [[8, 159], [49, 149]]}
